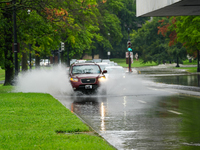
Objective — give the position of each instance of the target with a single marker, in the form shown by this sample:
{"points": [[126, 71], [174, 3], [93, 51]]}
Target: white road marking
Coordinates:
{"points": [[175, 112], [142, 101], [165, 90], [153, 89]]}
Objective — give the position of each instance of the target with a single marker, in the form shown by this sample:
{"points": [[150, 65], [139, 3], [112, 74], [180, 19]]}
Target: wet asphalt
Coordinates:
{"points": [[143, 114]]}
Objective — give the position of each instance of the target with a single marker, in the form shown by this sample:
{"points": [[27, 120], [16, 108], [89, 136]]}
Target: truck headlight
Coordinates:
{"points": [[101, 79], [74, 79]]}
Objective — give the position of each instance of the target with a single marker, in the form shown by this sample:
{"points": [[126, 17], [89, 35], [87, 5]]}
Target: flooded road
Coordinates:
{"points": [[143, 117], [187, 80], [157, 109], [143, 122]]}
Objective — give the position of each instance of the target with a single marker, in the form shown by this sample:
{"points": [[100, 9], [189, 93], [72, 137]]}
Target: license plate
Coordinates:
{"points": [[88, 86]]}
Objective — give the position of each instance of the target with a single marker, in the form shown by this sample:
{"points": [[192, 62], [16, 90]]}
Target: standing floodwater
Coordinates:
{"points": [[188, 80], [156, 120]]}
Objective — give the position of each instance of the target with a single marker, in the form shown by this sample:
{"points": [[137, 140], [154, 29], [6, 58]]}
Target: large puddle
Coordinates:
{"points": [[187, 80], [165, 75], [142, 122]]}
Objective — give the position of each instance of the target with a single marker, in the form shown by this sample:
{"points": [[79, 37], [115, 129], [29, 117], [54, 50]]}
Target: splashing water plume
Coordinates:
{"points": [[45, 80], [55, 81], [130, 85]]}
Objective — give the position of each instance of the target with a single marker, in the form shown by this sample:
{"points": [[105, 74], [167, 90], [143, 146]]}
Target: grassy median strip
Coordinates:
{"points": [[2, 74], [38, 121], [188, 69], [136, 64]]}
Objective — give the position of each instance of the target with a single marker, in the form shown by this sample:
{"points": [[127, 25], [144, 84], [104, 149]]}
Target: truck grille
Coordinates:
{"points": [[88, 80]]}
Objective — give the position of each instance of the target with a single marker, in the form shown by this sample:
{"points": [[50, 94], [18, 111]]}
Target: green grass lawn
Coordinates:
{"points": [[39, 121], [122, 62], [186, 62], [188, 69], [2, 74]]}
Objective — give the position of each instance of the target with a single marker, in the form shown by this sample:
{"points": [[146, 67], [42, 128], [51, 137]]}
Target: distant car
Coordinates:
{"points": [[97, 60], [115, 72], [103, 65], [105, 60], [86, 77], [112, 63], [80, 61], [72, 61], [116, 64], [89, 61], [44, 62]]}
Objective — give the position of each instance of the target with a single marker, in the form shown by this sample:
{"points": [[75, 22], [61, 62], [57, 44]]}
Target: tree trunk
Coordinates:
{"points": [[92, 53], [24, 61], [83, 54], [37, 59], [8, 54], [101, 53], [68, 60], [198, 69], [177, 62]]}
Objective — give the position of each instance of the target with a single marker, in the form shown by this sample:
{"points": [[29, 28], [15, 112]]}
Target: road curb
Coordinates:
{"points": [[96, 133]]}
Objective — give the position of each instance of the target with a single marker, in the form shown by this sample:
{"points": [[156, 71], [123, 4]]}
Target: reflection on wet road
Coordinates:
{"points": [[188, 80], [148, 119]]}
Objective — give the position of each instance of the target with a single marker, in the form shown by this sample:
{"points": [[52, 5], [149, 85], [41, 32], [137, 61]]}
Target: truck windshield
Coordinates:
{"points": [[86, 69]]}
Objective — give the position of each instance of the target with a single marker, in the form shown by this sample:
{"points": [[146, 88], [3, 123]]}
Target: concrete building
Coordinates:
{"points": [[167, 8]]}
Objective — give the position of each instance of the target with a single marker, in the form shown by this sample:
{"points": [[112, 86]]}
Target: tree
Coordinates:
{"points": [[150, 45], [128, 19], [73, 22], [109, 25], [167, 29], [6, 49], [152, 42], [6, 26], [187, 28]]}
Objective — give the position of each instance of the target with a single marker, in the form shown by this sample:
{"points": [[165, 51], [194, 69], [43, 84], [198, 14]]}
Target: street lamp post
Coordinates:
{"points": [[15, 38], [30, 56], [59, 50], [29, 46], [109, 41]]}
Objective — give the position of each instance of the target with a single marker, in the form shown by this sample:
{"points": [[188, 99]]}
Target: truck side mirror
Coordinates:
{"points": [[104, 71]]}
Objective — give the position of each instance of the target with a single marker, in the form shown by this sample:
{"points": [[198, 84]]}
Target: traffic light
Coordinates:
{"points": [[129, 49], [62, 46], [129, 46]]}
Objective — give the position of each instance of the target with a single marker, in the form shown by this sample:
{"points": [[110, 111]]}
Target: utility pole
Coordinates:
{"points": [[108, 53], [30, 56]]}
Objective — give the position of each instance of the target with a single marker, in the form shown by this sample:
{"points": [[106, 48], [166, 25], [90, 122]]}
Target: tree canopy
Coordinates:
{"points": [[188, 33], [87, 26], [153, 42], [44, 24]]}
